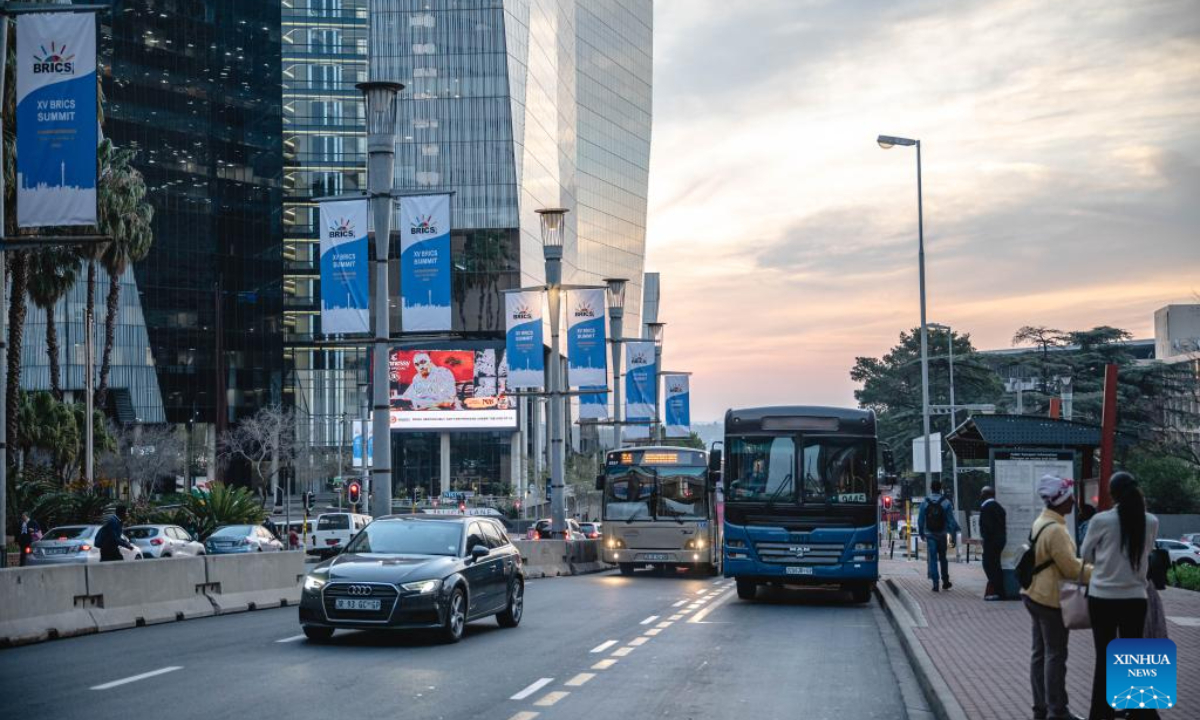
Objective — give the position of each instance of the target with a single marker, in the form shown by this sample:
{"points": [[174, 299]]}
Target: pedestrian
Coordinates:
{"points": [[111, 537], [269, 524], [1054, 560], [934, 521], [993, 526], [1087, 511], [29, 533], [1118, 542]]}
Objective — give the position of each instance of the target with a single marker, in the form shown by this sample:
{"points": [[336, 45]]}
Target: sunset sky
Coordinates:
{"points": [[1061, 152]]}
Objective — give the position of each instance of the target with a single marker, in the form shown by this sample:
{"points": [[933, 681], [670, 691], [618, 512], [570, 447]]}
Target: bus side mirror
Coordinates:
{"points": [[600, 481]]}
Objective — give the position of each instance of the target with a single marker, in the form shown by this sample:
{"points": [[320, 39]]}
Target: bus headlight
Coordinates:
{"points": [[735, 543], [615, 543], [864, 546]]}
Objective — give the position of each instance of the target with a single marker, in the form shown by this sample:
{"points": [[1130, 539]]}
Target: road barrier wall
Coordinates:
{"points": [[553, 558], [128, 594], [254, 580], [40, 603]]}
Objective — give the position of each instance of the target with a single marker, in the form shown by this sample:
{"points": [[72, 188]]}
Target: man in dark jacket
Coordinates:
{"points": [[111, 537], [993, 527], [29, 533]]}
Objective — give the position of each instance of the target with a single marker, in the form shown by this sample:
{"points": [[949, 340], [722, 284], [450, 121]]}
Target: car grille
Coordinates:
{"points": [[788, 553], [386, 594]]}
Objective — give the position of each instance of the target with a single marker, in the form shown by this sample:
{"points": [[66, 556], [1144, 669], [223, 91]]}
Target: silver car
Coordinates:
{"points": [[241, 539], [164, 541], [73, 544]]}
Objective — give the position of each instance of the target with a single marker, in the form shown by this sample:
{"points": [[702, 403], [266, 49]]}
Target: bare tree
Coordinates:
{"points": [[144, 455], [266, 440]]}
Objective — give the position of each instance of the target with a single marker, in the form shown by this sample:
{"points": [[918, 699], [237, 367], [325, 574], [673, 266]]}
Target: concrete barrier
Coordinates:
{"points": [[544, 558], [40, 603], [129, 594], [254, 580], [584, 557]]}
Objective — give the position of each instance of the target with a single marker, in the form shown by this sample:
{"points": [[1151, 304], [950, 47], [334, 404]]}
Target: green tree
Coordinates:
{"points": [[1171, 484], [52, 274]]}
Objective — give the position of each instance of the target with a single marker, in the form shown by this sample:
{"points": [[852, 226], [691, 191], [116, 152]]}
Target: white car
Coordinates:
{"points": [[1181, 553], [164, 541], [1193, 538], [71, 544], [229, 539], [334, 531]]}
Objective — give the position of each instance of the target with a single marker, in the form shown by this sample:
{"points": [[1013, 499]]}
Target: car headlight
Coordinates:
{"points": [[422, 587], [312, 583]]}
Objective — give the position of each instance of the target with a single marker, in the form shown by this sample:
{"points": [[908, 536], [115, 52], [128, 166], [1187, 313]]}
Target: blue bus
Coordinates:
{"points": [[800, 499]]}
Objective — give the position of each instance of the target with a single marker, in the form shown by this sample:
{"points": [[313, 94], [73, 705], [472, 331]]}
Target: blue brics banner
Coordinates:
{"points": [[1141, 674], [523, 322], [641, 388], [345, 307], [586, 363], [56, 119], [357, 445], [593, 405], [677, 407], [425, 262]]}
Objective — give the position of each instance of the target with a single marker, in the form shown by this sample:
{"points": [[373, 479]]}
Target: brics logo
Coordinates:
{"points": [[1141, 674], [53, 61], [522, 312], [423, 226], [585, 310], [343, 228]]}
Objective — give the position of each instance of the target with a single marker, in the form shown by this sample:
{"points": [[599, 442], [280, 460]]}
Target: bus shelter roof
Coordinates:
{"points": [[977, 435]]}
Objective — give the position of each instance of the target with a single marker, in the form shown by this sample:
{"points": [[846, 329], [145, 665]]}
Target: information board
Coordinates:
{"points": [[1016, 474]]}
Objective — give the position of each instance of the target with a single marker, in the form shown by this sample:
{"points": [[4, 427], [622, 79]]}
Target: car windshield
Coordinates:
{"points": [[761, 469], [408, 537], [682, 493], [629, 493], [234, 531], [333, 522], [141, 533], [69, 533], [838, 470]]}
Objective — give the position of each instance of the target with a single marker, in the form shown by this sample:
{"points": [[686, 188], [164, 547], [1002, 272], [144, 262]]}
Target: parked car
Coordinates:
{"points": [[164, 541], [1181, 553], [241, 539], [73, 544], [334, 530], [1193, 538], [417, 571], [592, 530], [542, 530]]}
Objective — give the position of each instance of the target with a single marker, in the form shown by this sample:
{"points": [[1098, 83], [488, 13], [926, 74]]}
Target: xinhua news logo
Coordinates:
{"points": [[54, 60], [1141, 674], [342, 228]]}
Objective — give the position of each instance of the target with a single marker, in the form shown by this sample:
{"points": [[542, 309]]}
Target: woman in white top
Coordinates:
{"points": [[1118, 543]]}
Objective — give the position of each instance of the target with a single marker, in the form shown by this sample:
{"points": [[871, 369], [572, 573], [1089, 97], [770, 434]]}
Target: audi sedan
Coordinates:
{"points": [[409, 572]]}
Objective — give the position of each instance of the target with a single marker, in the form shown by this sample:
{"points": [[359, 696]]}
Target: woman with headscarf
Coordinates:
{"points": [[1118, 543]]}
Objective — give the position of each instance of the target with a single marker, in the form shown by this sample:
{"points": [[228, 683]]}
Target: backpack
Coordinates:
{"points": [[1026, 564], [1160, 562], [935, 517]]}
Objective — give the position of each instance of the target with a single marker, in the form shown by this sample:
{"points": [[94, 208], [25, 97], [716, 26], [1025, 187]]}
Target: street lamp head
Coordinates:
{"points": [[656, 332], [889, 141], [616, 293], [553, 225], [938, 326], [381, 105]]}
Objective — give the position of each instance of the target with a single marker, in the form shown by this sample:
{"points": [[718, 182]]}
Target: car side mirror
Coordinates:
{"points": [[600, 482], [479, 552]]}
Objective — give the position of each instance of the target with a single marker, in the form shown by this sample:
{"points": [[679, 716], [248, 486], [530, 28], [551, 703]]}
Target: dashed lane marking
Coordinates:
{"points": [[639, 641], [677, 616], [665, 624], [604, 646], [524, 715], [701, 591], [652, 632], [579, 679], [681, 602], [604, 664], [699, 617], [135, 678], [622, 652], [551, 697], [532, 689], [648, 620], [293, 638], [685, 611]]}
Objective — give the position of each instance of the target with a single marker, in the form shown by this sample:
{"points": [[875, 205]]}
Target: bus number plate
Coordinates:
{"points": [[654, 556], [799, 571]]}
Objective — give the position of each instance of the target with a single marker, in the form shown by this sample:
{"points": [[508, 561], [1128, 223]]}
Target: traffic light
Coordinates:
{"points": [[887, 502], [354, 492], [309, 500], [462, 508]]}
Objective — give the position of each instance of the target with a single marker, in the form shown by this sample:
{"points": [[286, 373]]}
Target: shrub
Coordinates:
{"points": [[1184, 576]]}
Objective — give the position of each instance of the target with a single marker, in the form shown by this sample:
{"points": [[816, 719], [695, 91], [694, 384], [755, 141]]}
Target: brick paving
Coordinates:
{"points": [[981, 648]]}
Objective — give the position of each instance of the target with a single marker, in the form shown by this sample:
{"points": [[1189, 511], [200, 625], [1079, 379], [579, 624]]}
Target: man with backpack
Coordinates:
{"points": [[934, 521]]}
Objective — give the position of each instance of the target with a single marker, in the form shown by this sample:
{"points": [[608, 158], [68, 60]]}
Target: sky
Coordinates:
{"points": [[1060, 163]]}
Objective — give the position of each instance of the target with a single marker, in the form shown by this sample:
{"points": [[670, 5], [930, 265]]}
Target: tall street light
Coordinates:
{"points": [[381, 97], [886, 142], [553, 225], [616, 319], [656, 334]]}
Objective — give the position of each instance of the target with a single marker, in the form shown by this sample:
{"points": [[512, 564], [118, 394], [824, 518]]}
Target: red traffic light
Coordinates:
{"points": [[887, 502], [354, 492], [462, 508]]}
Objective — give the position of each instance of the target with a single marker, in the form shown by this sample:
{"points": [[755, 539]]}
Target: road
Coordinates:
{"points": [[598, 646]]}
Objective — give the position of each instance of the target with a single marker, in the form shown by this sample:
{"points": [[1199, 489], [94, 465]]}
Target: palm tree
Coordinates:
{"points": [[126, 217], [52, 274]]}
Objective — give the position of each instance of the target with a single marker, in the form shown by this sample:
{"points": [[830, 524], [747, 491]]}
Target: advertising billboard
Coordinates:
{"points": [[450, 390]]}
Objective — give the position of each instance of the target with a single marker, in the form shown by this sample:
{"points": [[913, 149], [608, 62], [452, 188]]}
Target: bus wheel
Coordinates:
{"points": [[861, 593], [626, 568], [746, 589]]}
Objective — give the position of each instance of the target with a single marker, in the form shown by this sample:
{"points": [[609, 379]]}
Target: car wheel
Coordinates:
{"points": [[746, 589], [1185, 561], [626, 568], [456, 616], [511, 617], [318, 634]]}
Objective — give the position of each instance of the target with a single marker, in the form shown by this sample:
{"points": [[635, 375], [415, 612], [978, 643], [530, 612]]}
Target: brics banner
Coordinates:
{"points": [[641, 378], [56, 119], [523, 322], [344, 287], [425, 262], [357, 446], [593, 405], [677, 407], [586, 364]]}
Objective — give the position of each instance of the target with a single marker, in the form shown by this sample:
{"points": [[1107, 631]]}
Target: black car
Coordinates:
{"points": [[406, 572]]}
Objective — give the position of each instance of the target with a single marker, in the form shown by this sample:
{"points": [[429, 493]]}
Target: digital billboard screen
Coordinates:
{"points": [[450, 390]]}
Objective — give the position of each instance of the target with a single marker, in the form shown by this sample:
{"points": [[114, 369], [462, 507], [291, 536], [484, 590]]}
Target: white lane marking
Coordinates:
{"points": [[639, 641], [677, 616], [664, 624], [579, 679], [701, 591], [532, 689], [681, 602], [604, 646], [552, 697], [652, 632], [622, 652], [524, 715], [648, 620], [699, 617], [604, 664], [135, 678], [685, 611], [293, 638]]}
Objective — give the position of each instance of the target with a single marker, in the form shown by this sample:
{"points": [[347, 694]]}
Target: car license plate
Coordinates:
{"points": [[654, 556], [331, 542], [57, 551], [355, 604], [799, 571]]}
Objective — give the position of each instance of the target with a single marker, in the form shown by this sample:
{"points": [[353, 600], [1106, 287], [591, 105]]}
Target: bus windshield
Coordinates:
{"points": [[760, 469], [682, 493], [640, 492], [629, 493], [838, 470]]}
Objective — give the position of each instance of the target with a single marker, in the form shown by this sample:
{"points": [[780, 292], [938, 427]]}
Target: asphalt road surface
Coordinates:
{"points": [[595, 647]]}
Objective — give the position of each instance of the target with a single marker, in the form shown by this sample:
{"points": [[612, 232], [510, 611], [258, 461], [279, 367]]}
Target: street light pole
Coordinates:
{"points": [[616, 318], [553, 220], [381, 97], [656, 334], [886, 142]]}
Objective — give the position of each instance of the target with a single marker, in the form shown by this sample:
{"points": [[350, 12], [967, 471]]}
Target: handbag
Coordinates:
{"points": [[1156, 616], [1072, 598]]}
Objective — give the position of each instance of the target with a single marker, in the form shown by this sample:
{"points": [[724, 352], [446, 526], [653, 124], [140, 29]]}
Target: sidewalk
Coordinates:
{"points": [[981, 649]]}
